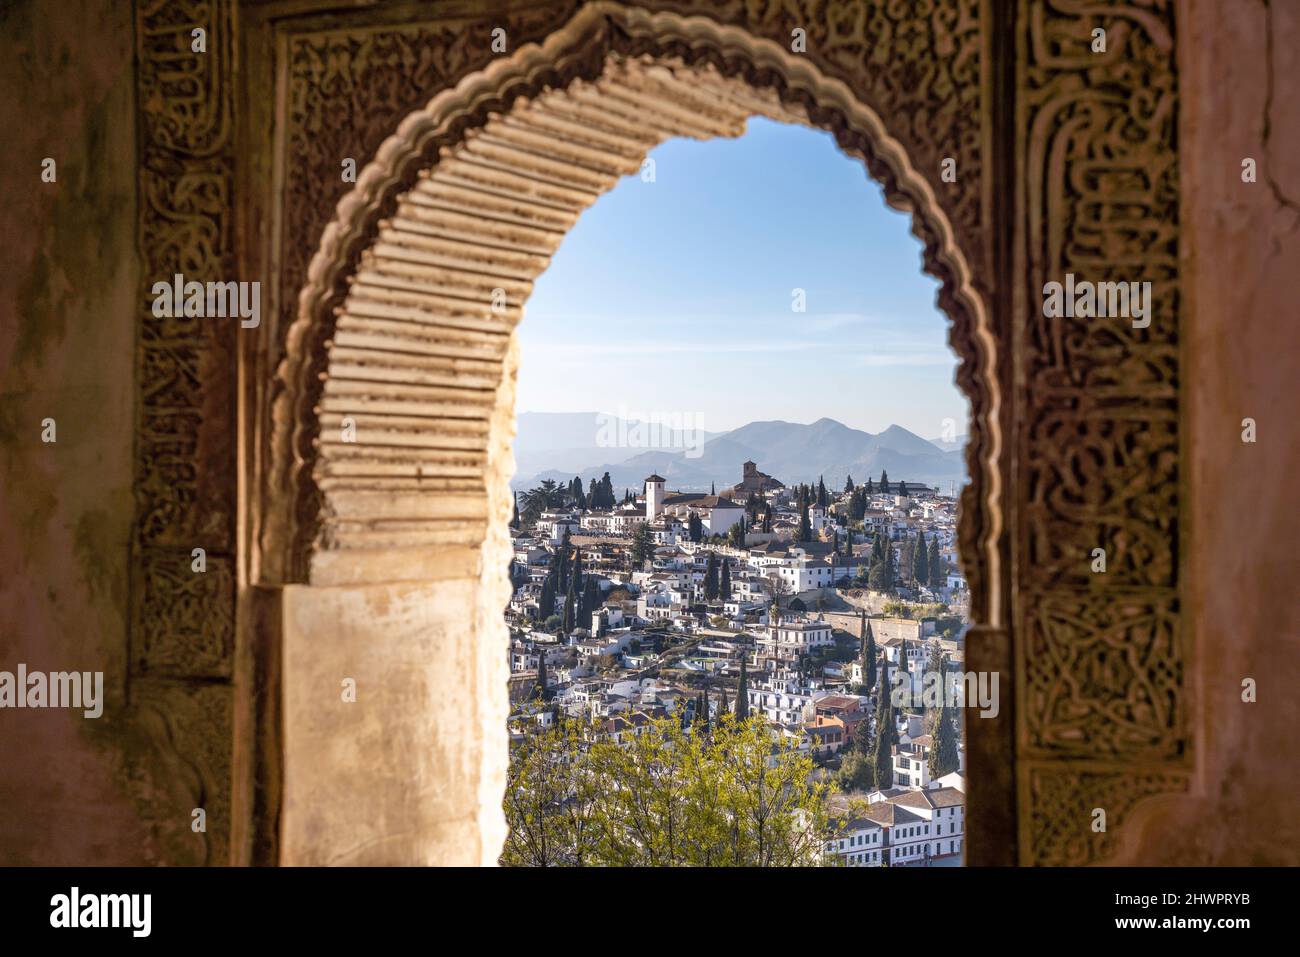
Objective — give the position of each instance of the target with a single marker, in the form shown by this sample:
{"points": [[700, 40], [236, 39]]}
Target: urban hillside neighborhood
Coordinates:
{"points": [[649, 625]]}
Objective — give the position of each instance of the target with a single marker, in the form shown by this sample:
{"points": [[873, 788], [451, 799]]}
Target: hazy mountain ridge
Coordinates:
{"points": [[568, 442], [791, 452]]}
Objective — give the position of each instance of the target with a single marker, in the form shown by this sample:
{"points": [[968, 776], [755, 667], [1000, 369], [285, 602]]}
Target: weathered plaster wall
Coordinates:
{"points": [[424, 742], [67, 314], [1239, 63], [392, 776]]}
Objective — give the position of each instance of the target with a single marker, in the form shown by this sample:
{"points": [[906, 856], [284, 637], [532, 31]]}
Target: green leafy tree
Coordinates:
{"points": [[552, 802], [857, 772], [741, 796], [545, 496]]}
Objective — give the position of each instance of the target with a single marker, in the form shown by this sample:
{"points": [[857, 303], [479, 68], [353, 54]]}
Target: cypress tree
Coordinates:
{"points": [[883, 760], [546, 601], [848, 484], [805, 526], [944, 758], [643, 545], [724, 585], [936, 567], [567, 620], [563, 581], [736, 536], [921, 563], [713, 488], [742, 695], [884, 482], [711, 578], [872, 655], [541, 673], [821, 492], [590, 600], [871, 488], [722, 705], [514, 519]]}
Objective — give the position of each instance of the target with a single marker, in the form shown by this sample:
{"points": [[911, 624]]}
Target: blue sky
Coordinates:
{"points": [[640, 313]]}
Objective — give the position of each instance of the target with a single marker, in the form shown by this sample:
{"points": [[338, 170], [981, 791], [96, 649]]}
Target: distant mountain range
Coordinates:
{"points": [[577, 442], [551, 446]]}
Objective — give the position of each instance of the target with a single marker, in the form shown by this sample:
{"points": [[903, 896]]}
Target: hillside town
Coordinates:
{"points": [[796, 604]]}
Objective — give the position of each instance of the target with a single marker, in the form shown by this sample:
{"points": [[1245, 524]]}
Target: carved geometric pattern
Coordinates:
{"points": [[182, 622], [1100, 653], [176, 636], [1062, 805], [1098, 484], [1104, 676], [1102, 451]]}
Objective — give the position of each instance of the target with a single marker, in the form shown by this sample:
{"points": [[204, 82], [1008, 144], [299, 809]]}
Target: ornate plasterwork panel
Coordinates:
{"points": [[1102, 657], [179, 741]]}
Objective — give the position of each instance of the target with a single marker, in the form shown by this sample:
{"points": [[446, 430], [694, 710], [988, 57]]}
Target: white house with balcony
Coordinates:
{"points": [[790, 636], [784, 699]]}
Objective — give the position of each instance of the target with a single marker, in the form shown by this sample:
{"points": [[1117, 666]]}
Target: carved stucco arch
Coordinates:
{"points": [[752, 75], [1067, 161]]}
